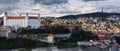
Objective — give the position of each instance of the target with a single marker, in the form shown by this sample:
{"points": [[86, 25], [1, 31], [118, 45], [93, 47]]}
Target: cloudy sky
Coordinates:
{"points": [[58, 7]]}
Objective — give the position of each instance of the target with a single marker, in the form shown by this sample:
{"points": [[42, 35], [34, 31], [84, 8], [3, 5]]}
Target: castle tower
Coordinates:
{"points": [[5, 19], [39, 18], [26, 19], [50, 38]]}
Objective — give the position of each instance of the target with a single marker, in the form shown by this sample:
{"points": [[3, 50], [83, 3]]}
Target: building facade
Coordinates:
{"points": [[21, 21], [50, 38]]}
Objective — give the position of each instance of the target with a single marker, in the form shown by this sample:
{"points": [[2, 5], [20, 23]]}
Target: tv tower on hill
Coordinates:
{"points": [[102, 10]]}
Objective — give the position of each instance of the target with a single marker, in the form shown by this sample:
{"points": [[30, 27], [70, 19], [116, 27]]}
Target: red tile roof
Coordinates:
{"points": [[1, 26], [22, 17], [16, 17], [70, 26], [33, 17], [50, 34]]}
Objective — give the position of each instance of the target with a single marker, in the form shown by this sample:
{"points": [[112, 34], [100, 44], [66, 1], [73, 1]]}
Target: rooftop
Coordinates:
{"points": [[22, 17]]}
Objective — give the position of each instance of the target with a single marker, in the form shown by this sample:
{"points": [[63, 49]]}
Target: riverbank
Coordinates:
{"points": [[53, 48]]}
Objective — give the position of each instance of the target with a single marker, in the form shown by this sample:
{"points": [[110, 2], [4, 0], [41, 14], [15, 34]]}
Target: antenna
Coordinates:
{"points": [[102, 10]]}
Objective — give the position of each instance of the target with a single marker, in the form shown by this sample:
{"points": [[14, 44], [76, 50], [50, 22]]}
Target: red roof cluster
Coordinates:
{"points": [[70, 26]]}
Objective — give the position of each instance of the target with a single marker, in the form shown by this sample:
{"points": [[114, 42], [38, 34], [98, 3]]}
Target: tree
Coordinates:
{"points": [[80, 35]]}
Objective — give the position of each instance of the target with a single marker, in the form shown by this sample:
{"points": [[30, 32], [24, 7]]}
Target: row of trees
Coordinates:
{"points": [[81, 35], [47, 29], [20, 43]]}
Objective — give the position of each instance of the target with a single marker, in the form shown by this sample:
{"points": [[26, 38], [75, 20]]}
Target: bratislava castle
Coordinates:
{"points": [[21, 21]]}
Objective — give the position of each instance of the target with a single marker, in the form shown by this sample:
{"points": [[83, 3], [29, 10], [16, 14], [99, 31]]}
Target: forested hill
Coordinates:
{"points": [[94, 14]]}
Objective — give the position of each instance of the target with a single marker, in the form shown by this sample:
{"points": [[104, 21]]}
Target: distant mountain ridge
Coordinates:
{"points": [[94, 14]]}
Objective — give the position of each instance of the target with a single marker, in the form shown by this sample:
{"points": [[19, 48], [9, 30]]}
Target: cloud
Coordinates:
{"points": [[109, 6], [6, 6], [82, 7], [57, 7], [14, 7], [51, 2], [92, 0], [7, 1]]}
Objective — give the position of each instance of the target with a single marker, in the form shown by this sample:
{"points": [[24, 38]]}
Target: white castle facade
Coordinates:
{"points": [[21, 21]]}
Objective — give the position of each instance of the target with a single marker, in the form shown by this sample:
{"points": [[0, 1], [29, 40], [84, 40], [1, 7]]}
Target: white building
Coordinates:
{"points": [[7, 33], [21, 21], [50, 38], [83, 43]]}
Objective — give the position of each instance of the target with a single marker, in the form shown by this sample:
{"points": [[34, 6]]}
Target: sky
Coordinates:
{"points": [[57, 8]]}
